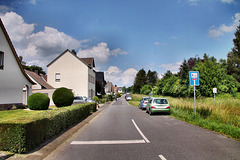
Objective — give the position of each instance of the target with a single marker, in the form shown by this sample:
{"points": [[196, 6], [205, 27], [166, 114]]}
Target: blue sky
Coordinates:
{"points": [[122, 36]]}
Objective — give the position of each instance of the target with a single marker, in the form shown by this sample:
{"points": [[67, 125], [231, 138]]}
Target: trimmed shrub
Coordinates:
{"points": [[95, 98], [62, 97], [38, 101]]}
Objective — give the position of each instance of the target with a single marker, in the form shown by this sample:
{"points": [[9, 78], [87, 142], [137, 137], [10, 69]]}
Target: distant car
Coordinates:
{"points": [[86, 99], [143, 103], [127, 94], [89, 100], [158, 105], [128, 97], [79, 99]]}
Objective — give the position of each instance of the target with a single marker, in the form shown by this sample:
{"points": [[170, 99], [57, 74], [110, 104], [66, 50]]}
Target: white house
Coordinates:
{"points": [[41, 85], [12, 76], [72, 72]]}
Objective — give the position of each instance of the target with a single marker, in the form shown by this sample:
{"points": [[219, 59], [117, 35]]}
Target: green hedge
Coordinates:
{"points": [[23, 137]]}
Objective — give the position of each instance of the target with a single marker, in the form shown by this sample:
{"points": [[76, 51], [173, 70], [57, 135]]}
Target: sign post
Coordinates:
{"points": [[214, 92], [194, 81]]}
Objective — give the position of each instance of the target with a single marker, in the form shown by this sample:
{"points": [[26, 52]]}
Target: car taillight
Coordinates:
{"points": [[144, 102], [168, 107], [153, 107]]}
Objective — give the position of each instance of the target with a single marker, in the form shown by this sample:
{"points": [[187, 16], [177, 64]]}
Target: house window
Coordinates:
{"points": [[57, 77], [1, 60]]}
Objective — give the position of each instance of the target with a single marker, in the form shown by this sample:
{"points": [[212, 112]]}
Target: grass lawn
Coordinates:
{"points": [[12, 116]]}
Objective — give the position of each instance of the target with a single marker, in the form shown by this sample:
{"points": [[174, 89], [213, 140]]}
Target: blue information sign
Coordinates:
{"points": [[194, 78]]}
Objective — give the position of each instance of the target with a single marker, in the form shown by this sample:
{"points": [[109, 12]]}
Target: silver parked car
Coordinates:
{"points": [[143, 103], [89, 100], [79, 99], [158, 105]]}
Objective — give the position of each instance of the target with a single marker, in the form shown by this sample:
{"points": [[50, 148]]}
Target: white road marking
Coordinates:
{"points": [[162, 158], [109, 142], [144, 137]]}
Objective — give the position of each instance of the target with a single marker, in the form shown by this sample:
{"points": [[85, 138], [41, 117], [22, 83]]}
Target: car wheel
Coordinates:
{"points": [[150, 112]]}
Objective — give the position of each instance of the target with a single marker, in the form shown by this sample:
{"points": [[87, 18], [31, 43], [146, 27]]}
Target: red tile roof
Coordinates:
{"points": [[39, 79]]}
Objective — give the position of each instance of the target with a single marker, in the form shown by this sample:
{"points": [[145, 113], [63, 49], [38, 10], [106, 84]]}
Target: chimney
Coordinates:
{"points": [[36, 71], [74, 52]]}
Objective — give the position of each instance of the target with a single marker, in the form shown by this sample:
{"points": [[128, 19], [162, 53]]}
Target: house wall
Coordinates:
{"points": [[73, 74], [91, 83], [12, 79]]}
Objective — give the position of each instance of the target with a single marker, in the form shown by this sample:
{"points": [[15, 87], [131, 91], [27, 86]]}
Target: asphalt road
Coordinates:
{"points": [[124, 132]]}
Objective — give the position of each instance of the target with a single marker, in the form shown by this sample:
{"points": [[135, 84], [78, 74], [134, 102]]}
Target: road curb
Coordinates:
{"points": [[46, 148]]}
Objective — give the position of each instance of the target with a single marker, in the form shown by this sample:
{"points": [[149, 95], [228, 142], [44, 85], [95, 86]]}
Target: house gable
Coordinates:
{"points": [[68, 51], [12, 76], [68, 70], [14, 52]]}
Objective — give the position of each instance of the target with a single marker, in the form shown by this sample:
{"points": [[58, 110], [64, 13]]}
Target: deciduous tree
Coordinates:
{"points": [[140, 81], [233, 57]]}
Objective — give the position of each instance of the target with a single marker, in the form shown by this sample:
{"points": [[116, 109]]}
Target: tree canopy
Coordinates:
{"points": [[32, 68], [140, 81], [233, 57]]}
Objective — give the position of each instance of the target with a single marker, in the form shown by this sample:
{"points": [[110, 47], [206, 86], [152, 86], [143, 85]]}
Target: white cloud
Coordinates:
{"points": [[173, 67], [193, 2], [17, 29], [117, 51], [51, 41], [129, 76], [220, 31], [162, 44], [33, 2], [101, 52], [38, 47], [227, 1], [116, 76]]}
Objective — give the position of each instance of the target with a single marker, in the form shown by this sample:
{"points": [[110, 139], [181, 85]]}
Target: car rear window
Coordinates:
{"points": [[160, 101], [146, 99], [78, 98]]}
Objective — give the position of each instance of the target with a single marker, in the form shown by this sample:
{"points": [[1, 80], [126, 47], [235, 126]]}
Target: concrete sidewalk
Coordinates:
{"points": [[50, 145]]}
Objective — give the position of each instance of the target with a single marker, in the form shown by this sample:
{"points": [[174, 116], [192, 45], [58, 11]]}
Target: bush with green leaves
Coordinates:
{"points": [[62, 97], [118, 94], [38, 101], [95, 98], [146, 89], [110, 97]]}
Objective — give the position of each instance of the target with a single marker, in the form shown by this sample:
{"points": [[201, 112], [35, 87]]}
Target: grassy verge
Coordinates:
{"points": [[222, 116]]}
